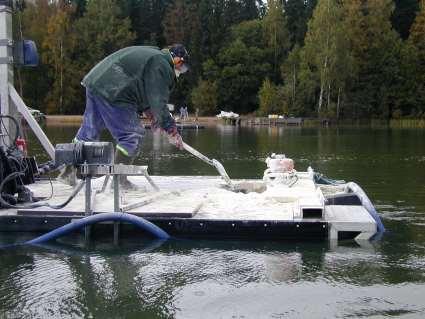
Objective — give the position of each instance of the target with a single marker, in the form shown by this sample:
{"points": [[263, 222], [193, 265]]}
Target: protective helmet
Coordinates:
{"points": [[178, 50]]}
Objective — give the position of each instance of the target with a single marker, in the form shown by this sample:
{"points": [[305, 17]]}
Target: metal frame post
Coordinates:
{"points": [[39, 133], [87, 229], [116, 171], [116, 207], [11, 103], [6, 70]]}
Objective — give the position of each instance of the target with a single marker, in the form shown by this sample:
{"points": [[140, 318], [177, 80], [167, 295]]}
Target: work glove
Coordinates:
{"points": [[174, 137]]}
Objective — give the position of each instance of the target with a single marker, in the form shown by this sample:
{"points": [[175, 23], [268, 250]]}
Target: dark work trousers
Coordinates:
{"points": [[122, 122]]}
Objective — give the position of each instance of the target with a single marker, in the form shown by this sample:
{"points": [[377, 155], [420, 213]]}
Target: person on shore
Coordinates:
{"points": [[186, 114], [181, 113], [131, 81]]}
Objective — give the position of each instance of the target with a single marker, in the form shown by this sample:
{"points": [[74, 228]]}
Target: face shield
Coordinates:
{"points": [[182, 68], [179, 51]]}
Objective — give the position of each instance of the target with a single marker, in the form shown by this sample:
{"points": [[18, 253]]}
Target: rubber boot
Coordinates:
{"points": [[125, 184], [68, 175]]}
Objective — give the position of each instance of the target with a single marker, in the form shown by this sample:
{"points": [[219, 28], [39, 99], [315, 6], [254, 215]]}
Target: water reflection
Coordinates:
{"points": [[178, 278]]}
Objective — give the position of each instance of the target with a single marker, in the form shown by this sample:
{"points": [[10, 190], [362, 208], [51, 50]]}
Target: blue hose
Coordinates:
{"points": [[93, 219]]}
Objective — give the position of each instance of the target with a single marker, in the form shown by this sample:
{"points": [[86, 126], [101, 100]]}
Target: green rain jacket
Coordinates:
{"points": [[137, 76]]}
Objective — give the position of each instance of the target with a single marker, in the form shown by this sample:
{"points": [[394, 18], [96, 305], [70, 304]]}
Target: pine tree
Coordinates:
{"points": [[250, 9], [417, 43], [175, 23], [298, 14], [376, 49], [241, 67], [80, 7], [404, 15], [146, 20], [181, 25]]}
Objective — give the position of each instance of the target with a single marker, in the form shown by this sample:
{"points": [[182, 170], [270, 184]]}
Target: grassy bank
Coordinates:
{"points": [[394, 123], [408, 123], [63, 120]]}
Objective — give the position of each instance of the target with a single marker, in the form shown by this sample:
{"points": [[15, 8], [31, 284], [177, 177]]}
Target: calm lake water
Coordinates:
{"points": [[243, 279]]}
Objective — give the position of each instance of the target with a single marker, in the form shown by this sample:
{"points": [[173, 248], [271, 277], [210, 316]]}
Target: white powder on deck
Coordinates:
{"points": [[204, 194], [218, 203]]}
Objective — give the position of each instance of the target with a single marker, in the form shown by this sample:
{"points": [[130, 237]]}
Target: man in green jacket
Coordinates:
{"points": [[129, 82]]}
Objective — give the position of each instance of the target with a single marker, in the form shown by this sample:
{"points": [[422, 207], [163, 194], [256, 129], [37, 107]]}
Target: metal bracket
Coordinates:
{"points": [[6, 60], [6, 42], [114, 169], [117, 169]]}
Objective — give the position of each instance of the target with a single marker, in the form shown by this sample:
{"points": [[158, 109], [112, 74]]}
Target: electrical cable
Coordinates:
{"points": [[51, 189], [20, 166], [2, 116], [75, 191]]}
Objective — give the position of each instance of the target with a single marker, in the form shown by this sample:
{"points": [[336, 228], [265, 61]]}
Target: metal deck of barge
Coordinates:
{"points": [[194, 206]]}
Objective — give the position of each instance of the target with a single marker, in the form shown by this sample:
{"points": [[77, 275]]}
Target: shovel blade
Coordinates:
{"points": [[222, 171]]}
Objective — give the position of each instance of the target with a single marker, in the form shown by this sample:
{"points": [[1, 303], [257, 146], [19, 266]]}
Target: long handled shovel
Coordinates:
{"points": [[213, 162]]}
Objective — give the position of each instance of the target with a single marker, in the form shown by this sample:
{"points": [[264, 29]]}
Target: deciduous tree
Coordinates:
{"points": [[204, 97], [59, 46], [276, 34], [269, 99], [36, 82], [326, 57]]}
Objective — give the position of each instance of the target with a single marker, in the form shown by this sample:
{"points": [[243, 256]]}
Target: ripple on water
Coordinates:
{"points": [[186, 279], [300, 300], [400, 212], [46, 287]]}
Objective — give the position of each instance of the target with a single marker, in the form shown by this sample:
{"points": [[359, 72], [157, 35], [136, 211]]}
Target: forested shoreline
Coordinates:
{"points": [[339, 59]]}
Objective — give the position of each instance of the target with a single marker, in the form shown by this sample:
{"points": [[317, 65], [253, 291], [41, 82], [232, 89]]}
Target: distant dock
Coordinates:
{"points": [[183, 126], [291, 121]]}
